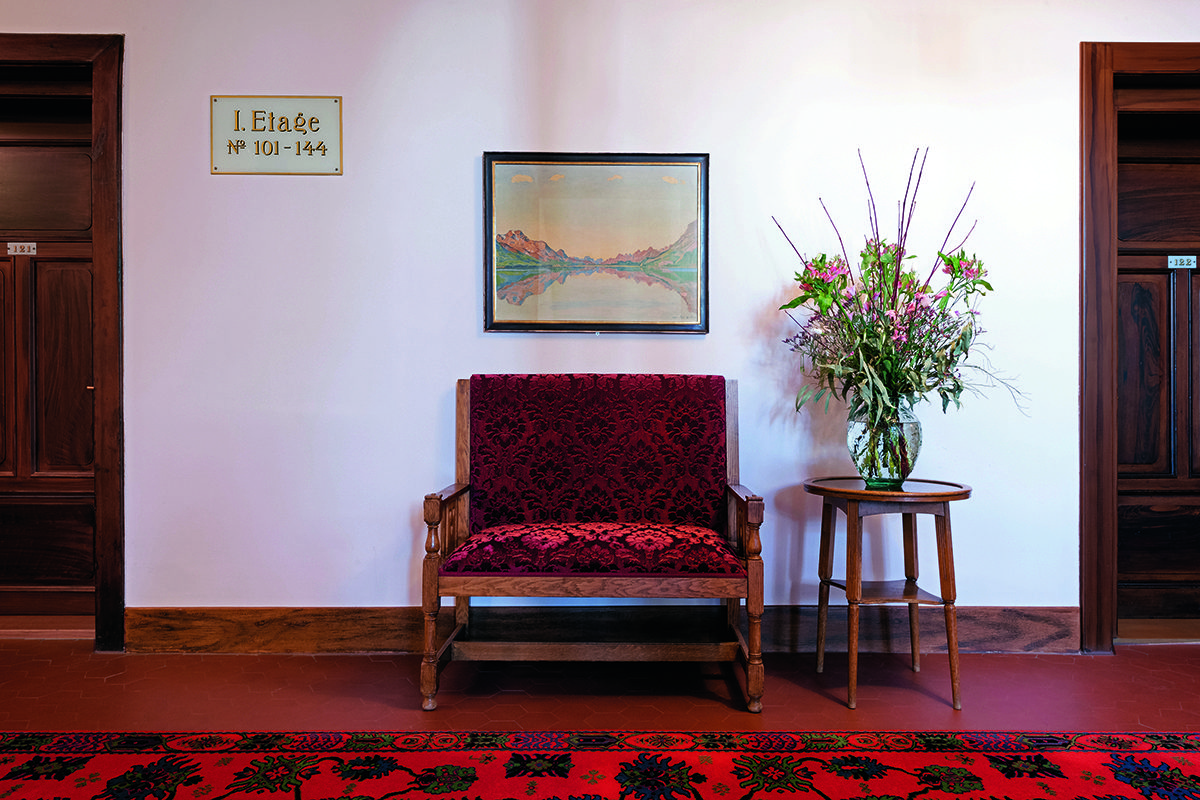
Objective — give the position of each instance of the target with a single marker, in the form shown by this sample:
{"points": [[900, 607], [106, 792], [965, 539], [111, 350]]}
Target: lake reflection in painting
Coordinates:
{"points": [[600, 298]]}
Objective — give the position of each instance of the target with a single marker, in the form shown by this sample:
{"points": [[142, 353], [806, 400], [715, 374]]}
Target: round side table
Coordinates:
{"points": [[856, 501]]}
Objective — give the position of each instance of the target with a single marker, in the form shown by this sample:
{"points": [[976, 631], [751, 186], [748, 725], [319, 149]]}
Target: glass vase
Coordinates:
{"points": [[884, 454]]}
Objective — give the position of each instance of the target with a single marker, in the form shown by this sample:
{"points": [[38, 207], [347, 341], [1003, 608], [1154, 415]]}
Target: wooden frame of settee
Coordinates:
{"points": [[446, 515]]}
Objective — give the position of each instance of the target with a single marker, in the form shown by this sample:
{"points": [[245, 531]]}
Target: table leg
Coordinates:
{"points": [[825, 572], [853, 595], [910, 575], [949, 595]]}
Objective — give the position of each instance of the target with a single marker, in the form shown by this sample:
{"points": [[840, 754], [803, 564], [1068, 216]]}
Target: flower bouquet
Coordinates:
{"points": [[881, 335]]}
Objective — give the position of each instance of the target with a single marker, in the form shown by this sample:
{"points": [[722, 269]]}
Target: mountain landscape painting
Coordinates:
{"points": [[596, 242]]}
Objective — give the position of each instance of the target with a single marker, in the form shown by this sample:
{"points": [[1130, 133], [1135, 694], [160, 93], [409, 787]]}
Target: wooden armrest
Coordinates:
{"points": [[745, 517], [435, 500], [444, 506], [743, 494]]}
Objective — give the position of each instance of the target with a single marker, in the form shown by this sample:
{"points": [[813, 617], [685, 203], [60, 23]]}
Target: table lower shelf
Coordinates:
{"points": [[881, 592]]}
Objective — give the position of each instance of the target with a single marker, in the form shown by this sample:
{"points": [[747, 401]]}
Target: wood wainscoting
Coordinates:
{"points": [[786, 629]]}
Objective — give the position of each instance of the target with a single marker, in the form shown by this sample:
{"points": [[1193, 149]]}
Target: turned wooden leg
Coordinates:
{"points": [[952, 648], [949, 596], [431, 598], [429, 664], [852, 656], [755, 673], [431, 604], [825, 572], [853, 595], [910, 575]]}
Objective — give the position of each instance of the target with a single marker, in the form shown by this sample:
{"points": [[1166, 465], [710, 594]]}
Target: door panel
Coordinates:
{"points": [[1144, 370], [46, 189], [1158, 202], [48, 544], [62, 353], [7, 368], [1159, 540], [1158, 564]]}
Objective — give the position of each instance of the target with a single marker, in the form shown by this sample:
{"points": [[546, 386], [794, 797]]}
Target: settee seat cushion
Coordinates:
{"points": [[594, 548]]}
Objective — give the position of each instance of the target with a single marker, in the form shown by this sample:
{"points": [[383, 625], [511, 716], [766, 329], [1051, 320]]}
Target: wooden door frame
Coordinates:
{"points": [[104, 53], [1099, 63]]}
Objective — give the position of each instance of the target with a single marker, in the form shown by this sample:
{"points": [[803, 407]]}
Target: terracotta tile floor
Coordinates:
{"points": [[61, 684]]}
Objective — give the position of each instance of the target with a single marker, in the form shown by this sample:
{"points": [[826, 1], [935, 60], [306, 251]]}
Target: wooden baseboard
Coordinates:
{"points": [[273, 630], [786, 629], [884, 629]]}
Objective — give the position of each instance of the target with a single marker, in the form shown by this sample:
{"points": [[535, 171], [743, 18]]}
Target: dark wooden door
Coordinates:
{"points": [[61, 439], [1119, 79], [1158, 346], [47, 443]]}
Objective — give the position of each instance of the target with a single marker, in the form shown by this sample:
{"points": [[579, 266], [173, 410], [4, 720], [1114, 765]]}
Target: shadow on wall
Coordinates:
{"points": [[819, 433]]}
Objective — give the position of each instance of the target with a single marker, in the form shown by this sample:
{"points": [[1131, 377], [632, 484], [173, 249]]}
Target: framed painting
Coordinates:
{"points": [[595, 242]]}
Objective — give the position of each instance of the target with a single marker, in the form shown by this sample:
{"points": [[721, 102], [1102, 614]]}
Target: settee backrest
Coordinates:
{"points": [[597, 448]]}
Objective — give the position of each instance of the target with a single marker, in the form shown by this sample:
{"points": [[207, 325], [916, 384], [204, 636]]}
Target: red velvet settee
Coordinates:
{"points": [[605, 486]]}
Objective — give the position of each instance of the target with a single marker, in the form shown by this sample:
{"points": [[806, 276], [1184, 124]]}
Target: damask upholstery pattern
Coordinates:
{"points": [[592, 448], [594, 548]]}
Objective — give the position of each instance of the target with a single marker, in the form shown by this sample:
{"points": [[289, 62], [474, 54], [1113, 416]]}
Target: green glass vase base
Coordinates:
{"points": [[884, 453], [884, 484]]}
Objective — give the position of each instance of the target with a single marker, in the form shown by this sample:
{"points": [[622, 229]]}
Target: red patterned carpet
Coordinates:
{"points": [[588, 766]]}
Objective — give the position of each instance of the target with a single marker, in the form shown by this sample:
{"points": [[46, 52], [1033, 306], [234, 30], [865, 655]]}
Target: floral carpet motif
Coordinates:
{"points": [[609, 765]]}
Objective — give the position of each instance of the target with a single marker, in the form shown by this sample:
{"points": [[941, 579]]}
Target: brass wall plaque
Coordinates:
{"points": [[292, 135]]}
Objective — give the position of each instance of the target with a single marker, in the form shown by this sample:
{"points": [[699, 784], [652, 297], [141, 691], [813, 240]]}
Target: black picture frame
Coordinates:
{"points": [[596, 242]]}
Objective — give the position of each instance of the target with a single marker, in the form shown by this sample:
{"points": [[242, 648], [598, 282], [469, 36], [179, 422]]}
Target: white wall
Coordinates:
{"points": [[291, 343]]}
